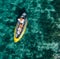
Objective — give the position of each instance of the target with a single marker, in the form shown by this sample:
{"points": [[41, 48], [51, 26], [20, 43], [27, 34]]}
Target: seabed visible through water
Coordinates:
{"points": [[42, 36]]}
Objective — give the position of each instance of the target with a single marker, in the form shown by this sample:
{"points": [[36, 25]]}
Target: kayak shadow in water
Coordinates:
{"points": [[19, 11]]}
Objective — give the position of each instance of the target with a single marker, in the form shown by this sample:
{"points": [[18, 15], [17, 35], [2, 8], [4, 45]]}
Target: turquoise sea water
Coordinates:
{"points": [[42, 36]]}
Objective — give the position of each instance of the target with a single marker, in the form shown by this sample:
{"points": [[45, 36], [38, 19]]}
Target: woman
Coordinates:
{"points": [[21, 22]]}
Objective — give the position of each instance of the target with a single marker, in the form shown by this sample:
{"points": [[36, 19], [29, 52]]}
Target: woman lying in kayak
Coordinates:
{"points": [[21, 23]]}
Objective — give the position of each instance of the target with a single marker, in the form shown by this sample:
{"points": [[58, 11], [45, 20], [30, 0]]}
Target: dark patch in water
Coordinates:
{"points": [[10, 51]]}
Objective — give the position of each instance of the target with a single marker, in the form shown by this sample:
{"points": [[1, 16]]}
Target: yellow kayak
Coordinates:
{"points": [[16, 39]]}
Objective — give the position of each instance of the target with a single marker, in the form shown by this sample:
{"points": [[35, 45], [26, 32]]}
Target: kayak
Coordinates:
{"points": [[16, 36]]}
